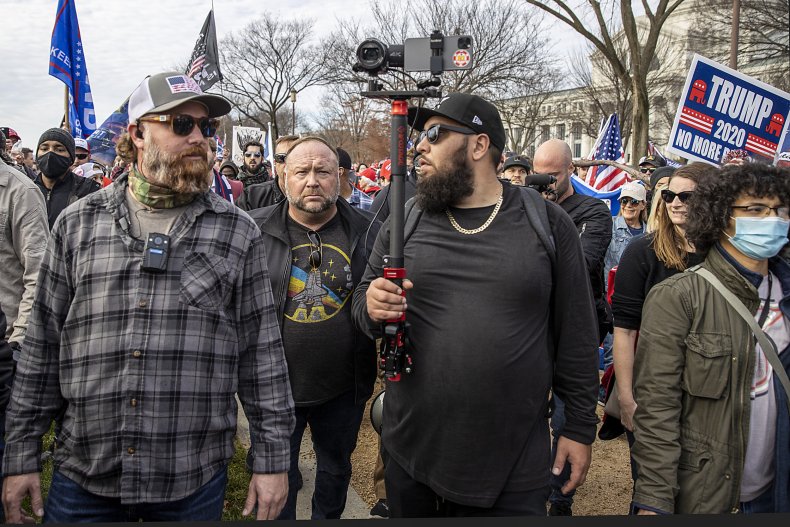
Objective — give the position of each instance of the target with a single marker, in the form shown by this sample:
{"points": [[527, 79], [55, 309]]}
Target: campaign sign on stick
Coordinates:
{"points": [[721, 109]]}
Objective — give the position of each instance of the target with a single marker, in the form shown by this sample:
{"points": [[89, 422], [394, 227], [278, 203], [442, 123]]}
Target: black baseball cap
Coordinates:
{"points": [[517, 161], [344, 160], [467, 109]]}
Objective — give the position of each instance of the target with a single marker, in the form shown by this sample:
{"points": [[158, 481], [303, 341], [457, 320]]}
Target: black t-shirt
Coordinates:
{"points": [[480, 317], [318, 331], [638, 271]]}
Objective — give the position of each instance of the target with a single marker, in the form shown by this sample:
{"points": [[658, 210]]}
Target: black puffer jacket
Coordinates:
{"points": [[66, 191], [260, 195]]}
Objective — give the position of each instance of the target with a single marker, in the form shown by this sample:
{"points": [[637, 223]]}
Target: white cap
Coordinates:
{"points": [[635, 190], [79, 142]]}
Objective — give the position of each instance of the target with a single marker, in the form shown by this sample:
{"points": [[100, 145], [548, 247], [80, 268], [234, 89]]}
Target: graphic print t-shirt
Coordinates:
{"points": [[759, 470], [317, 330]]}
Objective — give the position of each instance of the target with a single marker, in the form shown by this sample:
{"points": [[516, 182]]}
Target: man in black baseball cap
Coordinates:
{"points": [[471, 238], [516, 169]]}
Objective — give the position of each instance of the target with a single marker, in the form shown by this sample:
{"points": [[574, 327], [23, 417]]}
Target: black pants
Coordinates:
{"points": [[408, 498]]}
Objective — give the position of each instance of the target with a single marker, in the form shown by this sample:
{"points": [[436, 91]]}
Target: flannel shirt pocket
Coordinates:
{"points": [[204, 282]]}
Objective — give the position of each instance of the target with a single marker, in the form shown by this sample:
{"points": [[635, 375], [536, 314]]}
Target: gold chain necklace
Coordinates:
{"points": [[483, 226]]}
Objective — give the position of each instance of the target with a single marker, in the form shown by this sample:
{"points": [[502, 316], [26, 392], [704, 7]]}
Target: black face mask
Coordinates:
{"points": [[53, 165]]}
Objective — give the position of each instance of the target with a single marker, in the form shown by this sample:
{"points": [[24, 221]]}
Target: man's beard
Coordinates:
{"points": [[448, 186], [255, 171], [174, 172], [313, 208]]}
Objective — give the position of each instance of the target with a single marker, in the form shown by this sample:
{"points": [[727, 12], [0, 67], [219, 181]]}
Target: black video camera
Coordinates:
{"points": [[436, 54], [540, 182]]}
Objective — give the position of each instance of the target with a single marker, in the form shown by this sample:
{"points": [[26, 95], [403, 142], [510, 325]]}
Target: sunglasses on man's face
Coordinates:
{"points": [[279, 158], [669, 196], [256, 155], [184, 124], [432, 133], [81, 156], [647, 170]]}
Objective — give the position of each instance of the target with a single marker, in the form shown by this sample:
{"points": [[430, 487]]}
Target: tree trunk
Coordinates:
{"points": [[640, 120]]}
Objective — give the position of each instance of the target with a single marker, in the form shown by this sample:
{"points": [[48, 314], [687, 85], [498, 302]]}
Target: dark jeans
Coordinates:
{"points": [[68, 502], [408, 498], [761, 504], [334, 426], [556, 482]]}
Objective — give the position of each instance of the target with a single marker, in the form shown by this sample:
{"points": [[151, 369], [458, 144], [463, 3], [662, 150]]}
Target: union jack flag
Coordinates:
{"points": [[609, 146]]}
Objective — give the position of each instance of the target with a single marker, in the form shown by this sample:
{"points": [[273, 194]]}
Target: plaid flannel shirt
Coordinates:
{"points": [[144, 365]]}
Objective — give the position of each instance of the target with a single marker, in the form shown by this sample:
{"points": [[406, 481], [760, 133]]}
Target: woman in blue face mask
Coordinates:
{"points": [[712, 425]]}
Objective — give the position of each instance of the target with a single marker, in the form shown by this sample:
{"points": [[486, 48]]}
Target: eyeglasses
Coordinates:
{"points": [[279, 158], [764, 210], [629, 201], [432, 133], [647, 170], [184, 124], [669, 196], [81, 156], [316, 249], [256, 155]]}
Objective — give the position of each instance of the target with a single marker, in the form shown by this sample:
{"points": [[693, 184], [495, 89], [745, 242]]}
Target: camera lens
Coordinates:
{"points": [[371, 54], [464, 42], [158, 240]]}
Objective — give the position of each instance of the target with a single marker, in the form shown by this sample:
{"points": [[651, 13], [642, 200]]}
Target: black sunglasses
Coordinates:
{"points": [[316, 249], [629, 201], [279, 158], [256, 155], [432, 133], [81, 156], [184, 124], [669, 196]]}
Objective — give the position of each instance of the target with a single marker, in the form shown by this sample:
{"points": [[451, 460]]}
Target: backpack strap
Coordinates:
{"points": [[411, 218], [535, 208]]}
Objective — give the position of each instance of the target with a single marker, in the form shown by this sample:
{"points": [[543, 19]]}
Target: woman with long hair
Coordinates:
{"points": [[646, 261], [712, 426]]}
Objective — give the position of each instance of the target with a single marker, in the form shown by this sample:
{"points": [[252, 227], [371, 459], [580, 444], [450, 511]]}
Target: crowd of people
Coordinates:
{"points": [[140, 303]]}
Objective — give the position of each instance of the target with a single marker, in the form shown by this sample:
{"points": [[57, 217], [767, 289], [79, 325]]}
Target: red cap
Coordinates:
{"points": [[368, 173], [10, 133], [386, 169]]}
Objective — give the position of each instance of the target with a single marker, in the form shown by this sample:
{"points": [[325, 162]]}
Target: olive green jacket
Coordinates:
{"points": [[692, 379]]}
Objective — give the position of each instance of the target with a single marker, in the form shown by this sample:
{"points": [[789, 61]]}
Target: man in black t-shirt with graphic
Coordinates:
{"points": [[316, 250], [501, 314]]}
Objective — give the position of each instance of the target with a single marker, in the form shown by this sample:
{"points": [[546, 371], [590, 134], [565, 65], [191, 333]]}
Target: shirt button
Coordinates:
{"points": [[137, 354], [133, 402], [726, 476], [130, 450], [143, 303]]}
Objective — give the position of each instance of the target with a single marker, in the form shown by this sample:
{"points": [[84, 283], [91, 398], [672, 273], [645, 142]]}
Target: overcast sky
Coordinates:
{"points": [[125, 40]]}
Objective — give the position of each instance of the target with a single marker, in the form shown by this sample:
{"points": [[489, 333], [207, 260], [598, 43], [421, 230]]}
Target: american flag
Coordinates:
{"points": [[609, 146]]}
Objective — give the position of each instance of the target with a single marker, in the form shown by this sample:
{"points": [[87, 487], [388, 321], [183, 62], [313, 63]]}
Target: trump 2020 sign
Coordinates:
{"points": [[721, 109]]}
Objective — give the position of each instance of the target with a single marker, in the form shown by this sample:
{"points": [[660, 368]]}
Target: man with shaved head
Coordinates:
{"points": [[593, 219]]}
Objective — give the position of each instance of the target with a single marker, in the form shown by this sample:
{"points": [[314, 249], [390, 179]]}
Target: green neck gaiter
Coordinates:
{"points": [[156, 196]]}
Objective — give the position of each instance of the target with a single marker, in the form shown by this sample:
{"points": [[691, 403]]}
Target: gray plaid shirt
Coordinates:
{"points": [[143, 365]]}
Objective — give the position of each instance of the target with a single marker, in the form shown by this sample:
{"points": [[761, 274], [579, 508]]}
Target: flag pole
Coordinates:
{"points": [[66, 121]]}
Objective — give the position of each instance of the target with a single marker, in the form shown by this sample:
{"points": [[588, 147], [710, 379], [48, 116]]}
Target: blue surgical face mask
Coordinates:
{"points": [[760, 238]]}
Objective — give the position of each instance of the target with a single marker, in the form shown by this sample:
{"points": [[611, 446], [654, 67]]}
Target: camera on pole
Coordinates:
{"points": [[435, 54]]}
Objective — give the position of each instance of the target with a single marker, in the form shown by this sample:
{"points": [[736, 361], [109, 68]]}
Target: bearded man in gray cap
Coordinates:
{"points": [[153, 309], [61, 187]]}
